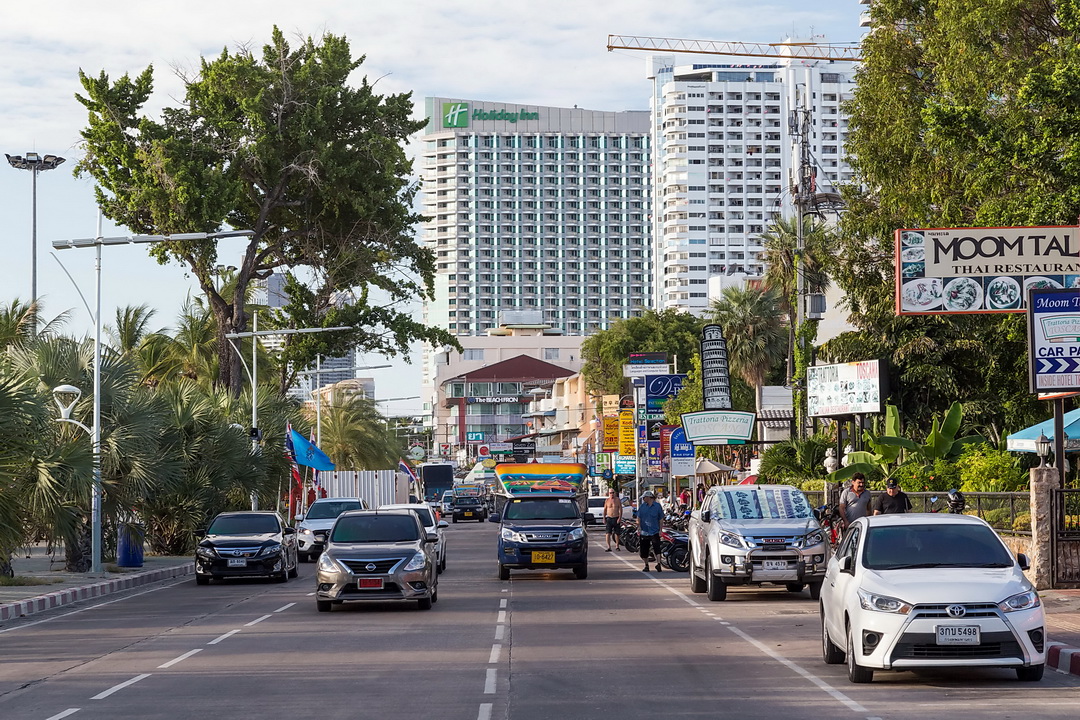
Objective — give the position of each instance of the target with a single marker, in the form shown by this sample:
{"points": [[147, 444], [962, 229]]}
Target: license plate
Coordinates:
{"points": [[958, 635], [370, 583], [468, 514], [543, 557], [774, 564], [237, 562]]}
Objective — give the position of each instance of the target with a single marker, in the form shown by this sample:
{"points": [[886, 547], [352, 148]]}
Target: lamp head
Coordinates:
{"points": [[66, 396], [1042, 448]]}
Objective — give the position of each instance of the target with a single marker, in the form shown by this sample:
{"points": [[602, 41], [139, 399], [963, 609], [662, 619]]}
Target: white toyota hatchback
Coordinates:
{"points": [[926, 591]]}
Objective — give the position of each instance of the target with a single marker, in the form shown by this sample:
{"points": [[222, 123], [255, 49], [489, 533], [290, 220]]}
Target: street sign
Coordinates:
{"points": [[640, 371], [501, 448], [1054, 339], [682, 454], [661, 388], [474, 437]]}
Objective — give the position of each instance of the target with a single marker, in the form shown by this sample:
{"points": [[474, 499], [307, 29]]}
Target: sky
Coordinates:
{"points": [[540, 53]]}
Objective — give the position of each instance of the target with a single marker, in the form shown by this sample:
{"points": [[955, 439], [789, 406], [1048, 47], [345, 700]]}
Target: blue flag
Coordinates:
{"points": [[307, 454]]}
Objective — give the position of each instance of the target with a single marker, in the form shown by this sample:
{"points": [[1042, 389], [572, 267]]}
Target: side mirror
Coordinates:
{"points": [[200, 531], [289, 531], [443, 524], [495, 517], [706, 516], [431, 537], [299, 517], [847, 565], [1023, 560]]}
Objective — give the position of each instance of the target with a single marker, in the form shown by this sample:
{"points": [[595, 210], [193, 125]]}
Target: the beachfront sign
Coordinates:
{"points": [[975, 270]]}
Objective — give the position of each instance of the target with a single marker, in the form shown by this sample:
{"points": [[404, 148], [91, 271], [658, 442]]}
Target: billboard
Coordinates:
{"points": [[611, 433], [854, 388], [977, 270], [661, 388], [627, 433], [1054, 340]]}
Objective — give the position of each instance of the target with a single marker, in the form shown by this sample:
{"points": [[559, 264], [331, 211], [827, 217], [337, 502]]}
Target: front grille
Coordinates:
{"points": [[973, 610], [923, 646], [360, 567], [388, 590], [544, 536], [246, 552]]}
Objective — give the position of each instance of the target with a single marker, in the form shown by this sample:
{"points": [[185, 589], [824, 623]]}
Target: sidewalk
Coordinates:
{"points": [[58, 588], [1062, 629]]}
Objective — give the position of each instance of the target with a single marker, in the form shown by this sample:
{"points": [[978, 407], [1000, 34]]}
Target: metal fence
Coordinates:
{"points": [[1006, 512]]}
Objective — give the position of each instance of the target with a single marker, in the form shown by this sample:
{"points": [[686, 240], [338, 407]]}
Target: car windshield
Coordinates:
{"points": [[466, 501], [762, 503], [375, 529], [330, 510], [597, 502], [560, 509], [243, 525], [899, 547]]}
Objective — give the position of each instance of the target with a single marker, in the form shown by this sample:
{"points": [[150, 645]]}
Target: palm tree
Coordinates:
{"points": [[17, 323], [355, 434], [752, 323]]}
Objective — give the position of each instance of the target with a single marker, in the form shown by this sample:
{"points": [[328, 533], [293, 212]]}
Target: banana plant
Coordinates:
{"points": [[881, 458], [941, 443]]}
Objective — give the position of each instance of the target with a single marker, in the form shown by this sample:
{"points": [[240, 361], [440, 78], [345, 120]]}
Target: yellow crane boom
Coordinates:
{"points": [[806, 51]]}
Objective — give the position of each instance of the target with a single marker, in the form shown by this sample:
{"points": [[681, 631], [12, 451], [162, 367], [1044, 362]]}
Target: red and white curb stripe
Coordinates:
{"points": [[56, 599], [1063, 658]]}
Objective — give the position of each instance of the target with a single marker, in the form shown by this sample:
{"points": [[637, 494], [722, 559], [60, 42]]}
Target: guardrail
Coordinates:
{"points": [[1007, 512]]}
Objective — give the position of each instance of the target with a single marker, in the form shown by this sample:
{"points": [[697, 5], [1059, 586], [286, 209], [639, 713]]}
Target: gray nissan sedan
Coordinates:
{"points": [[375, 556]]}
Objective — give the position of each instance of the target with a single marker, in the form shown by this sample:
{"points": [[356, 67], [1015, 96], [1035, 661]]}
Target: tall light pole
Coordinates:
{"points": [[34, 163], [95, 429]]}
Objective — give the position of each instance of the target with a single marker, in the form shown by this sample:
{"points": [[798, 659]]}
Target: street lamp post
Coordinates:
{"points": [[1042, 448], [95, 430], [34, 163]]}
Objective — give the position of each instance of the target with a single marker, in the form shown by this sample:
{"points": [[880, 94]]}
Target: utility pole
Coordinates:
{"points": [[802, 193]]}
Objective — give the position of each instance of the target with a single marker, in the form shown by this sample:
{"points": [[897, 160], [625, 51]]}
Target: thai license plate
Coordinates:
{"points": [[370, 584], [543, 557], [774, 564], [958, 635], [468, 514], [237, 562]]}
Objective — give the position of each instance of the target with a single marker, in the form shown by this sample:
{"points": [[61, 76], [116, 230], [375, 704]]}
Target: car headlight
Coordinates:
{"points": [[327, 564], [511, 535], [731, 540], [417, 563], [271, 549], [576, 534], [206, 552], [1021, 601], [882, 603], [814, 538], [305, 531]]}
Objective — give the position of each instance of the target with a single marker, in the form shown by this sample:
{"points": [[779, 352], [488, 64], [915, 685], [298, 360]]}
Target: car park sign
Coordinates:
{"points": [[1054, 339]]}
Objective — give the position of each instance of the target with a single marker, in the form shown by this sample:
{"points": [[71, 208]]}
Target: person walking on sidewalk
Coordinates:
{"points": [[649, 515], [855, 501], [893, 501], [612, 518]]}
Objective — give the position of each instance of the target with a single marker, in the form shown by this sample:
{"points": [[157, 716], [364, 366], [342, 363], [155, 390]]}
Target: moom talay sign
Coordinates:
{"points": [[977, 270]]}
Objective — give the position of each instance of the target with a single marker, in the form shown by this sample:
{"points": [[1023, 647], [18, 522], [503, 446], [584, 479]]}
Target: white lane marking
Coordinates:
{"points": [[121, 686], [485, 712], [185, 656], [502, 617], [496, 649], [502, 603], [93, 607], [836, 694], [489, 683], [505, 590], [69, 711], [723, 622], [283, 608], [499, 630], [219, 638], [310, 594], [256, 620]]}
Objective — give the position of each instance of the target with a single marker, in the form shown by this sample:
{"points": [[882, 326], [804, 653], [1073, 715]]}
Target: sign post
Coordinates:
{"points": [[1054, 353]]}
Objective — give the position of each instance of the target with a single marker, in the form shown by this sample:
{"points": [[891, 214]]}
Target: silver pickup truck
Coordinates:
{"points": [[754, 534]]}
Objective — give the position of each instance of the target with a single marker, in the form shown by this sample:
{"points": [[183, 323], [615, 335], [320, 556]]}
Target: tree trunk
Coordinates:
{"points": [[5, 565], [78, 554]]}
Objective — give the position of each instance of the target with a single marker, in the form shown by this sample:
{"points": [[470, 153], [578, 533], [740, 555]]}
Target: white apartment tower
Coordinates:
{"points": [[536, 208], [724, 156]]}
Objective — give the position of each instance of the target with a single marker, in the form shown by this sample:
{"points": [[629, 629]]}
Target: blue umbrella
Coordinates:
{"points": [[1024, 440]]}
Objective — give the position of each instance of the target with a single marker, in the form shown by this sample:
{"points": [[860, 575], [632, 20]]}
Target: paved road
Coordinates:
{"points": [[621, 644]]}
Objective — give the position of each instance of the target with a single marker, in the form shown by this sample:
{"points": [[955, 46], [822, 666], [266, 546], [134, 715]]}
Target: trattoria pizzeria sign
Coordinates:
{"points": [[972, 270]]}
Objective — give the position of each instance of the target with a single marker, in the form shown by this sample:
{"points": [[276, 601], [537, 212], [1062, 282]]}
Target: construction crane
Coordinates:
{"points": [[803, 50]]}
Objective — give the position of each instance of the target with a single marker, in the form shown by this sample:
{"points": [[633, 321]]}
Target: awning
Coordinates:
{"points": [[706, 466], [1024, 440]]}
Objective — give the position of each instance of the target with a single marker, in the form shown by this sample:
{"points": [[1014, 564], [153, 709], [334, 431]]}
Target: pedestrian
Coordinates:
{"points": [[684, 498], [649, 515], [700, 493], [893, 501], [612, 518], [855, 501]]}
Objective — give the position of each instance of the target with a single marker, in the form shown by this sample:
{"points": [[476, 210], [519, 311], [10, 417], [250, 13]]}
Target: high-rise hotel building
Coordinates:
{"points": [[536, 208], [723, 153]]}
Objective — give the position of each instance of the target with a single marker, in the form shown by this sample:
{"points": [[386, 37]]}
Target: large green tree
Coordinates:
{"points": [[290, 145]]}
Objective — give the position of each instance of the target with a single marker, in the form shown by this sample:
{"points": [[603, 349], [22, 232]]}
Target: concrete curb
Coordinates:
{"points": [[1063, 658], [59, 598]]}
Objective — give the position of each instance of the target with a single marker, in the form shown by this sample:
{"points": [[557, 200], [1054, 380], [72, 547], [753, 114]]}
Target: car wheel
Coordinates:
{"points": [[442, 565], [1033, 673], [323, 605], [581, 572], [424, 603], [714, 586], [281, 577], [815, 590], [831, 654], [504, 572], [202, 579], [435, 595], [697, 584], [856, 673], [795, 587]]}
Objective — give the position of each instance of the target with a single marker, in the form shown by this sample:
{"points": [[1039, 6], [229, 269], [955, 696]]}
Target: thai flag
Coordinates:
{"points": [[404, 467]]}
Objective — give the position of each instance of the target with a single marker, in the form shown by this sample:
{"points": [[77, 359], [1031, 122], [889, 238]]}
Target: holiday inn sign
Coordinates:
{"points": [[457, 114]]}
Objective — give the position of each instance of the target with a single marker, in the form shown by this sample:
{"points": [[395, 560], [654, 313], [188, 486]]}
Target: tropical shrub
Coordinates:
{"points": [[984, 468]]}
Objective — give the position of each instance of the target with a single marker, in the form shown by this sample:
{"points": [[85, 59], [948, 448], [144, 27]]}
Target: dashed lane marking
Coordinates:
{"points": [[185, 656], [283, 608], [256, 621], [61, 715], [489, 681], [496, 650], [499, 631], [485, 712], [219, 638], [121, 686], [502, 617]]}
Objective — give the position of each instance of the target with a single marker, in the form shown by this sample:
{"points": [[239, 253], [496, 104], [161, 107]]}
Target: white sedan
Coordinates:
{"points": [[926, 591]]}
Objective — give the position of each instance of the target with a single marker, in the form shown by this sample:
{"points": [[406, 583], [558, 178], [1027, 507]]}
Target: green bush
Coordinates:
{"points": [[940, 477], [998, 518], [1022, 523], [984, 468]]}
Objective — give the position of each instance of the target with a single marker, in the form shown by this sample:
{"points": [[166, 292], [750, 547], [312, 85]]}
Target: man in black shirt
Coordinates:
{"points": [[893, 501]]}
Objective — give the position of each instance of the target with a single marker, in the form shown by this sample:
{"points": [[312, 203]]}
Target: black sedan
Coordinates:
{"points": [[246, 544], [469, 508]]}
